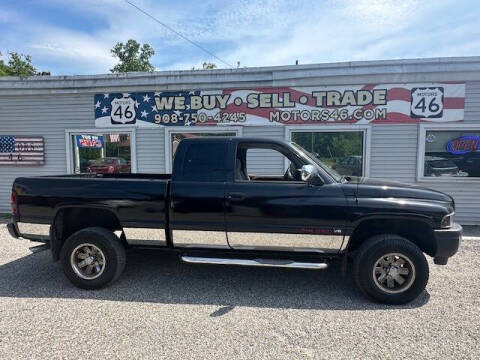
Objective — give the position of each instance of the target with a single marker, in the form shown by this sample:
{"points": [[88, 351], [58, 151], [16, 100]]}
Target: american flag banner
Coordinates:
{"points": [[348, 104], [21, 150]]}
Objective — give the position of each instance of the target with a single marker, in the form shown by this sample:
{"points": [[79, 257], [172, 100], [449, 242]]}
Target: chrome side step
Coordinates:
{"points": [[255, 262]]}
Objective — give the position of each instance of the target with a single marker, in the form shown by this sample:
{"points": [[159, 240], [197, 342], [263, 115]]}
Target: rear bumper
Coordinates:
{"points": [[447, 242], [32, 232], [13, 230]]}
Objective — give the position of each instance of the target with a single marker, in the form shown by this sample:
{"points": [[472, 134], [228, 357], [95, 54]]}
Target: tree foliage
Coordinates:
{"points": [[330, 146], [18, 65], [132, 57], [209, 66], [206, 66]]}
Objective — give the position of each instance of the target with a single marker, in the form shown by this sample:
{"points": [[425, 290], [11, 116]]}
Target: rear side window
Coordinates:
{"points": [[205, 162]]}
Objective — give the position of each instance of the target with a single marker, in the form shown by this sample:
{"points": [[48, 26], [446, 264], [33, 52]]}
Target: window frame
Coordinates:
{"points": [[169, 130], [367, 138], [235, 180], [422, 134], [100, 131]]}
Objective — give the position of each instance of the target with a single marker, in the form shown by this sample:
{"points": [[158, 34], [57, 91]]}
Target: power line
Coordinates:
{"points": [[179, 34]]}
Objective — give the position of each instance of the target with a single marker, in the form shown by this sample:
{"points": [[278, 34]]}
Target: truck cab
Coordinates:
{"points": [[300, 211]]}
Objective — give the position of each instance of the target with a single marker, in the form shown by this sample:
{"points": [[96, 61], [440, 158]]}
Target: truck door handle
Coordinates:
{"points": [[236, 196]]}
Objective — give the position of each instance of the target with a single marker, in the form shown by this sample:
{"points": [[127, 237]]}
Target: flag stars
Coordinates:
{"points": [[144, 114], [157, 93], [137, 104], [154, 108], [146, 98], [97, 104], [104, 110], [106, 96]]}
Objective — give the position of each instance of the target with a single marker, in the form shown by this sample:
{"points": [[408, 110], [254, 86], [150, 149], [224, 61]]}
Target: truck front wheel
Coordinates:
{"points": [[390, 269], [92, 258]]}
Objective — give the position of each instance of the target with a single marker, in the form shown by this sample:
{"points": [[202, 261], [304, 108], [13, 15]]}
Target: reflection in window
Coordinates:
{"points": [[177, 137], [341, 150], [101, 153], [452, 153]]}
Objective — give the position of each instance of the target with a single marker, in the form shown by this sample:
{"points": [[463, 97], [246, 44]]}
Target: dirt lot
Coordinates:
{"points": [[162, 308]]}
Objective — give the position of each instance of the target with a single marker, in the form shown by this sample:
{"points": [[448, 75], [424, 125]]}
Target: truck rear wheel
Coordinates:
{"points": [[92, 258], [390, 269]]}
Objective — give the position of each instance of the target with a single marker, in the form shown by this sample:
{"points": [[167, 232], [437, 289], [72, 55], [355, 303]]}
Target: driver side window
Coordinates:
{"points": [[262, 162]]}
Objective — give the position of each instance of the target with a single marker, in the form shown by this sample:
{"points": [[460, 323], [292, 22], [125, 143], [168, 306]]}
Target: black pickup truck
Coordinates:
{"points": [[212, 210]]}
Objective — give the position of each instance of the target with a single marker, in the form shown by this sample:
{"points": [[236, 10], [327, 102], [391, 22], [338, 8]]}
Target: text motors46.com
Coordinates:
{"points": [[328, 115]]}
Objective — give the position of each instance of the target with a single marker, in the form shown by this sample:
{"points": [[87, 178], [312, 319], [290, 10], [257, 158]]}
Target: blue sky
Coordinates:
{"points": [[75, 37]]}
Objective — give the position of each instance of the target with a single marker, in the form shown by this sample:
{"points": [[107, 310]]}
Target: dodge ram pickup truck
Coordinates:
{"points": [[213, 209]]}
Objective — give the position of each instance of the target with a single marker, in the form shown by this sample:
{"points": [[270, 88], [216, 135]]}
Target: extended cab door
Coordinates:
{"points": [[282, 212], [197, 193]]}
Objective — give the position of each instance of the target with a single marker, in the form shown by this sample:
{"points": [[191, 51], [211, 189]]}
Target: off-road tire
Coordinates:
{"points": [[371, 251], [110, 245]]}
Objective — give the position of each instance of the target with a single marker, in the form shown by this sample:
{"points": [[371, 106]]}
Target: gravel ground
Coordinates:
{"points": [[162, 308]]}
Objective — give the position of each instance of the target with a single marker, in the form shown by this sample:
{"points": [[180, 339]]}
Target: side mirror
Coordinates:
{"points": [[309, 174]]}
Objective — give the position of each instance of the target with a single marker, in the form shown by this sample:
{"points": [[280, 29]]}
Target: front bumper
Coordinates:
{"points": [[447, 242]]}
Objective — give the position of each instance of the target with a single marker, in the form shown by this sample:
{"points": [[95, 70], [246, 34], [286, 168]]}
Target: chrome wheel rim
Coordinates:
{"points": [[88, 261], [394, 273]]}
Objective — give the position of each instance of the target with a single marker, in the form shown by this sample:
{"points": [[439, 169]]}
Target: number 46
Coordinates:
{"points": [[433, 107], [127, 113]]}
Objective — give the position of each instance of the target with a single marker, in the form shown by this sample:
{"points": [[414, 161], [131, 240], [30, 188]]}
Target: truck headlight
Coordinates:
{"points": [[447, 221]]}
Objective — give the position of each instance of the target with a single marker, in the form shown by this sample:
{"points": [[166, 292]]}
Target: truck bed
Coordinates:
{"points": [[138, 200]]}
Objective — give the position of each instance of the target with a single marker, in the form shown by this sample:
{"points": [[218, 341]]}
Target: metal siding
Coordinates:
{"points": [[466, 194], [46, 116], [393, 153], [150, 150], [264, 162], [472, 102]]}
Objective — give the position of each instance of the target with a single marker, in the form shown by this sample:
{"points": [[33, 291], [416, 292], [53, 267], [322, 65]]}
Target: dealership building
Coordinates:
{"points": [[415, 121]]}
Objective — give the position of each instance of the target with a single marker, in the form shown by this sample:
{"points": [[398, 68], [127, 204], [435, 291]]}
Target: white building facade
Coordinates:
{"points": [[414, 121]]}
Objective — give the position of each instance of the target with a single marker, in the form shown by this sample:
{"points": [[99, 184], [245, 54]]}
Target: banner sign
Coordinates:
{"points": [[90, 141], [463, 145], [355, 104], [21, 150]]}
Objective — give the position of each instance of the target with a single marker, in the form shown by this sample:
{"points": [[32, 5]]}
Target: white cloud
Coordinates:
{"points": [[270, 32]]}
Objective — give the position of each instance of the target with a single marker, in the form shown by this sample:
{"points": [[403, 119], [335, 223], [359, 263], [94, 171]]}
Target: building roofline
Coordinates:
{"points": [[339, 73], [259, 69]]}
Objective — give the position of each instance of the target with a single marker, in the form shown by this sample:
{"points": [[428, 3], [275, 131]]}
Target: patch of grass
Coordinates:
{"points": [[4, 216]]}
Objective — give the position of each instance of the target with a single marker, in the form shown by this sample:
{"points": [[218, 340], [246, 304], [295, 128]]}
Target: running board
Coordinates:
{"points": [[39, 248], [255, 262]]}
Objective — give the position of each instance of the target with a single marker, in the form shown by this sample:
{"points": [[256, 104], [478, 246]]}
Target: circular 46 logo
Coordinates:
{"points": [[123, 111], [426, 102]]}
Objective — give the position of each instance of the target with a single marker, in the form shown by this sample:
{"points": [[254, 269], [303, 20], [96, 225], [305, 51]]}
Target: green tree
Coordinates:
{"points": [[18, 65], [206, 66], [209, 66], [132, 56], [3, 68]]}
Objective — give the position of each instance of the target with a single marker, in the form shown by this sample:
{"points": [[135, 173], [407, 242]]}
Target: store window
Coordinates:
{"points": [[101, 153], [342, 150], [451, 153]]}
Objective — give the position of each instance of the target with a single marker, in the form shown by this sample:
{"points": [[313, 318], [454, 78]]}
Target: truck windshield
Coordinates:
{"points": [[335, 175]]}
